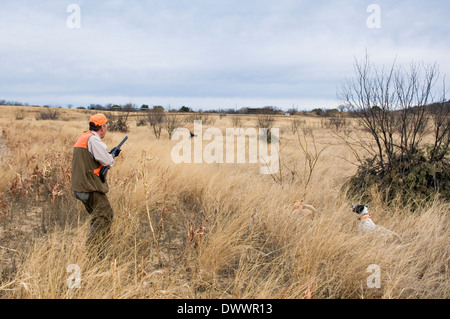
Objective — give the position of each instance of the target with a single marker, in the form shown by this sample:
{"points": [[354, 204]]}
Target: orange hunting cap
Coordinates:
{"points": [[98, 119]]}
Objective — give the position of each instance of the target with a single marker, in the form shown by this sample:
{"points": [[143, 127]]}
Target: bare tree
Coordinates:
{"points": [[312, 154], [296, 123], [172, 122], [266, 121], [392, 105], [156, 119]]}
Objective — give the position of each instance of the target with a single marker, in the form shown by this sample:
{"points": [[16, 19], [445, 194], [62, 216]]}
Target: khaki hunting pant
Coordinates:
{"points": [[99, 208]]}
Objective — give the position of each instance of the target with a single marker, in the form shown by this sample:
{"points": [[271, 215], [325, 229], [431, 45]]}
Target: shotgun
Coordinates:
{"points": [[114, 152]]}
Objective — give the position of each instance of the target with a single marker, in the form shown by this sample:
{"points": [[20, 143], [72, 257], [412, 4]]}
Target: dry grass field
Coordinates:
{"points": [[252, 244]]}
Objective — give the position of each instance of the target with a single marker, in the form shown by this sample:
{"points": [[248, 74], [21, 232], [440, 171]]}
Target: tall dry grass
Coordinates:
{"points": [[252, 244]]}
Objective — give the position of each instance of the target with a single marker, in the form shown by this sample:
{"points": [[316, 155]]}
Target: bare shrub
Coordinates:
{"points": [[156, 118], [266, 121], [172, 122], [337, 122], [49, 114], [19, 114], [236, 121], [392, 106], [118, 122], [296, 123], [141, 120], [312, 153], [206, 119]]}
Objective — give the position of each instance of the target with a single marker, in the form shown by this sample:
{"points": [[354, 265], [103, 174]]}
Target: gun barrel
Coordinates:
{"points": [[121, 143]]}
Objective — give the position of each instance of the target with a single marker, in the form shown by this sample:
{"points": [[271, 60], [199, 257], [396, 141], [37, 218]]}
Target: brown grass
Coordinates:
{"points": [[251, 246]]}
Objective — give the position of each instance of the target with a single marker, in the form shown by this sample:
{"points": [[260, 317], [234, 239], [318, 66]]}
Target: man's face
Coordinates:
{"points": [[102, 131]]}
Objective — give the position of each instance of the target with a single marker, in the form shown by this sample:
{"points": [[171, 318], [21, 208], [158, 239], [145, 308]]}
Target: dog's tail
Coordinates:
{"points": [[394, 234], [398, 237], [311, 208], [300, 206]]}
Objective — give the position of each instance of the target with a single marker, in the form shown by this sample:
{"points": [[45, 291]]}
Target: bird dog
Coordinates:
{"points": [[367, 225], [303, 209]]}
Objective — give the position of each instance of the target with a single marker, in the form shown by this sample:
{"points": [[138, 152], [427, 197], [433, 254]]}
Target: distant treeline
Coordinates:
{"points": [[129, 107], [267, 110], [15, 103]]}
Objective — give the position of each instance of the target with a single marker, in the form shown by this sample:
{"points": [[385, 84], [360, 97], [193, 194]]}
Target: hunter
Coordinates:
{"points": [[90, 155]]}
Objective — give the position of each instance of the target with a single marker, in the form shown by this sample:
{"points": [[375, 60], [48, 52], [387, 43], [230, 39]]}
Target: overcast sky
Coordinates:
{"points": [[207, 53]]}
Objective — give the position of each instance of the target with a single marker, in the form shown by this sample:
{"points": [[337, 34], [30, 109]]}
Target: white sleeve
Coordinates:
{"points": [[99, 151]]}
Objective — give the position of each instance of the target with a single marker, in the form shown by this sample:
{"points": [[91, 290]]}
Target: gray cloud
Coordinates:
{"points": [[289, 51]]}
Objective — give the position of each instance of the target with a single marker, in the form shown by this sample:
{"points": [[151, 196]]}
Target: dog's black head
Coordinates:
{"points": [[359, 209]]}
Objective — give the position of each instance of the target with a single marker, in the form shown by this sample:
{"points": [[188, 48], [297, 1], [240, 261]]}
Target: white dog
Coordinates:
{"points": [[304, 210], [367, 225]]}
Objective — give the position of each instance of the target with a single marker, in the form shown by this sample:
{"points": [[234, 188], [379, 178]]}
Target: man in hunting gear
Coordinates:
{"points": [[90, 155]]}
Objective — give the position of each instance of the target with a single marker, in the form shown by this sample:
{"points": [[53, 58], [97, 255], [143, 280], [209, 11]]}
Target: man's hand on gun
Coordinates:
{"points": [[114, 152]]}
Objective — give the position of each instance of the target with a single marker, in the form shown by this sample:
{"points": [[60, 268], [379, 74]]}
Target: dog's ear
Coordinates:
{"points": [[358, 209], [355, 209]]}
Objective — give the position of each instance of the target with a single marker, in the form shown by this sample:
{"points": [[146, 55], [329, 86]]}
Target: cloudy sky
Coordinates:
{"points": [[208, 53]]}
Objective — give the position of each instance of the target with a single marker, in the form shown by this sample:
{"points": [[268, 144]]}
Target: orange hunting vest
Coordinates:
{"points": [[85, 169], [82, 143]]}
